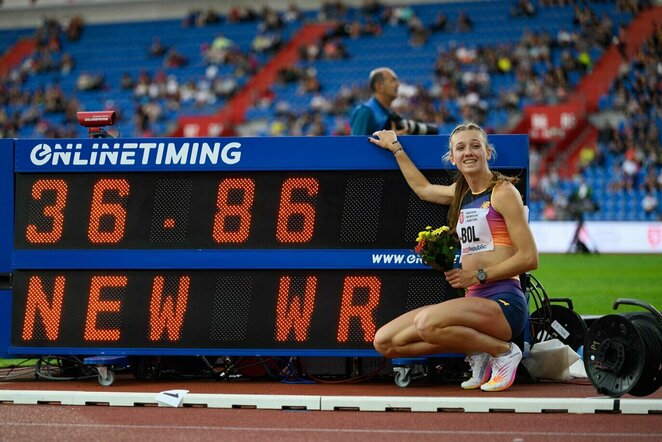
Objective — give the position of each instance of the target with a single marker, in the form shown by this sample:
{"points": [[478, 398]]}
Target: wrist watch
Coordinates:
{"points": [[481, 276]]}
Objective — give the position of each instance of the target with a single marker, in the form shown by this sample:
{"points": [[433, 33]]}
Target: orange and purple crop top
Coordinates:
{"points": [[479, 226]]}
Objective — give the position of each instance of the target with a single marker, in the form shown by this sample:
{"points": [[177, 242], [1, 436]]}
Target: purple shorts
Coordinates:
{"points": [[508, 294]]}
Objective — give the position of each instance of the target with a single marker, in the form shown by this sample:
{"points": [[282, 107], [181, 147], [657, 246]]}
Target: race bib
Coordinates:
{"points": [[474, 231]]}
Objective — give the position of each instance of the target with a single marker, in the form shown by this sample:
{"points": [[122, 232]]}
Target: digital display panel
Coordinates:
{"points": [[258, 210], [299, 245], [270, 309]]}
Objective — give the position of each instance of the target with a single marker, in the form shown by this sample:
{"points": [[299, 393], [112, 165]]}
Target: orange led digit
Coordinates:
{"points": [[54, 211], [50, 312], [289, 210], [291, 315], [102, 210], [166, 310], [232, 211], [97, 306], [364, 312]]}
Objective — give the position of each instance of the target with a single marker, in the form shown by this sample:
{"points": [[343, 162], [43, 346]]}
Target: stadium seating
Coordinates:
{"points": [[111, 50]]}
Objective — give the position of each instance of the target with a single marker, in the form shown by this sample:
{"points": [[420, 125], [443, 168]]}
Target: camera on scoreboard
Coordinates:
{"points": [[414, 127], [96, 119]]}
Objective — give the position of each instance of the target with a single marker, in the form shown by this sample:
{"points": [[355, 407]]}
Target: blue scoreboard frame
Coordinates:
{"points": [[297, 246]]}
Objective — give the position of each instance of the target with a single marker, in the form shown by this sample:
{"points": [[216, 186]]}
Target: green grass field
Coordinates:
{"points": [[594, 282], [14, 362]]}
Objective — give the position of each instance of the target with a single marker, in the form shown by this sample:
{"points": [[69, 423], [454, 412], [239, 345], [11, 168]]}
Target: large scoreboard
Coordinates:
{"points": [[215, 246]]}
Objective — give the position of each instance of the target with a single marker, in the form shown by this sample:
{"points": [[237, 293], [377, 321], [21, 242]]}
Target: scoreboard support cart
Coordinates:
{"points": [[106, 366], [405, 370]]}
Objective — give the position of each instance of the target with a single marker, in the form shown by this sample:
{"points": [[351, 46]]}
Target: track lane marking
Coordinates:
{"points": [[329, 430]]}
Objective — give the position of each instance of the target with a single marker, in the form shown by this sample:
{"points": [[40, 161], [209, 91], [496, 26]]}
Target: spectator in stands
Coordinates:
{"points": [[271, 21], [157, 48], [67, 64], [289, 74], [174, 59], [200, 18], [191, 18], [266, 42], [616, 179], [292, 14], [584, 62], [464, 23], [74, 28], [239, 14], [89, 82], [219, 50], [371, 27], [483, 323], [9, 125], [618, 40], [371, 7], [587, 155], [376, 113], [309, 83], [403, 14], [439, 24], [522, 8], [418, 35], [649, 203], [309, 52], [650, 181], [332, 10], [126, 81], [333, 48], [224, 86], [630, 167], [566, 38], [210, 17]]}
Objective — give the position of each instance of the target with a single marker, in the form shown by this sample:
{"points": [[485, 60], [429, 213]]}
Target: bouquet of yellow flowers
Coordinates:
{"points": [[437, 247]]}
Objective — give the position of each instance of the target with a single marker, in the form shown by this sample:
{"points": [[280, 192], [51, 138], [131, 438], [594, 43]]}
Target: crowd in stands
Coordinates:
{"points": [[545, 66], [627, 159], [462, 88], [20, 106]]}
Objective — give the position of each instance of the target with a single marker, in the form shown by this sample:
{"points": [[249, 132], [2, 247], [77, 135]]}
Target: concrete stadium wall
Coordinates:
{"points": [[601, 236]]}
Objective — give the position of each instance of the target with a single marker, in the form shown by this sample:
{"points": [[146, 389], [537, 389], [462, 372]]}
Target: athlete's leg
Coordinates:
{"points": [[401, 333], [465, 325]]}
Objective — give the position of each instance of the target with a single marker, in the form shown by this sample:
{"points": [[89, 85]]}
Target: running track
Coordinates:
{"points": [[51, 422]]}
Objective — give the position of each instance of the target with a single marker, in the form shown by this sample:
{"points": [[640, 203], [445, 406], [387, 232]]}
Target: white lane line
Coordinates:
{"points": [[329, 430]]}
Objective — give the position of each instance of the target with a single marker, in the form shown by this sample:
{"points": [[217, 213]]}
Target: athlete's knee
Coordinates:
{"points": [[426, 324]]}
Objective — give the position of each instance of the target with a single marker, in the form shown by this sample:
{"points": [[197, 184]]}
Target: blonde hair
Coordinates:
{"points": [[461, 185]]}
